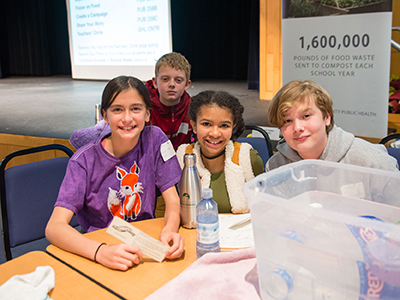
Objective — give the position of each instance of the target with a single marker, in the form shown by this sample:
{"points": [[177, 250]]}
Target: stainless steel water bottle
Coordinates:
{"points": [[97, 114], [189, 191]]}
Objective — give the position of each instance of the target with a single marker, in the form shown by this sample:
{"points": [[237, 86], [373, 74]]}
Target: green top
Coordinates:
{"points": [[218, 185]]}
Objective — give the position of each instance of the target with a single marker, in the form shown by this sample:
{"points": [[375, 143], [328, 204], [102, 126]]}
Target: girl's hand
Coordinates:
{"points": [[119, 256], [176, 241]]}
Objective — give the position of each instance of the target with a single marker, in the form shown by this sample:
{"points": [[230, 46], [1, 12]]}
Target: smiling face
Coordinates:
{"points": [[127, 116], [213, 127], [304, 129], [171, 84]]}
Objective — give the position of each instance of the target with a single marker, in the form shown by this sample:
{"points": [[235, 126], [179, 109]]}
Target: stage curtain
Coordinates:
{"points": [[34, 38], [213, 36], [253, 69]]}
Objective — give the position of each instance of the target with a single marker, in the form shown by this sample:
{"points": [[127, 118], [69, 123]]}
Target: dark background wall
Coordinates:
{"points": [[215, 36]]}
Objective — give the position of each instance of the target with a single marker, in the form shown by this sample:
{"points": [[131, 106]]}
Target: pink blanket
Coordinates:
{"points": [[229, 275]]}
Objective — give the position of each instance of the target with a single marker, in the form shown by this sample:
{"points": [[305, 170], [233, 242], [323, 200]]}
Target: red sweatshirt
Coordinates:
{"points": [[173, 120]]}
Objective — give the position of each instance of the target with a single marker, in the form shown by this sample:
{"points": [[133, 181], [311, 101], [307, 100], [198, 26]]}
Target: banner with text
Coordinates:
{"points": [[348, 54]]}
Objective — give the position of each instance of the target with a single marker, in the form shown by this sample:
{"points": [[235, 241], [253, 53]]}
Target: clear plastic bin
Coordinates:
{"points": [[326, 231]]}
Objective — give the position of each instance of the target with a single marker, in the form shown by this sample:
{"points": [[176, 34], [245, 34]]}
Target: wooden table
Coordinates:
{"points": [[139, 281], [69, 284]]}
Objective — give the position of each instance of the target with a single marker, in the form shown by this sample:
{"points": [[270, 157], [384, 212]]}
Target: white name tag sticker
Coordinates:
{"points": [[167, 150], [183, 128], [129, 234]]}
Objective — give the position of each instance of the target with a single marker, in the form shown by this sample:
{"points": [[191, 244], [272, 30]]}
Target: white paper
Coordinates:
{"points": [[129, 234], [273, 133], [237, 237]]}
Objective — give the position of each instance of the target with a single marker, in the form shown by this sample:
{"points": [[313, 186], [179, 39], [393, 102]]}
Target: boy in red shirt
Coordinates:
{"points": [[169, 99]]}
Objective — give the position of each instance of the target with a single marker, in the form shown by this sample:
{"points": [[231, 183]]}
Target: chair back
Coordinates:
{"points": [[28, 193], [395, 152], [261, 144], [389, 138]]}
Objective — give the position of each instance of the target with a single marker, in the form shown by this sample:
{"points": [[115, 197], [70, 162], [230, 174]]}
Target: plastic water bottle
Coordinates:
{"points": [[207, 224], [293, 281], [339, 266], [189, 191]]}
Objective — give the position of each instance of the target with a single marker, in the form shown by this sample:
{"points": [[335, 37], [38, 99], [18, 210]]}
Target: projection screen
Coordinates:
{"points": [[120, 37]]}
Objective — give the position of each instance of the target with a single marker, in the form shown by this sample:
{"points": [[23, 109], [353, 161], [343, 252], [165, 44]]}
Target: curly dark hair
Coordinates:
{"points": [[224, 100]]}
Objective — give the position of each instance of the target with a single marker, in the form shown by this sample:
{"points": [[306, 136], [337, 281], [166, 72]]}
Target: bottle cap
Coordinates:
{"points": [[189, 159], [372, 218], [206, 193]]}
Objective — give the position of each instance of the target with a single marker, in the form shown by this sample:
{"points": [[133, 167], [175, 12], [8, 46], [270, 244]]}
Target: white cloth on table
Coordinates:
{"points": [[35, 285]]}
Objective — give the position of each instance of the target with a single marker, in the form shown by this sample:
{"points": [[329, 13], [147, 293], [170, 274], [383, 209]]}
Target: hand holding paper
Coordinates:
{"points": [[129, 234], [176, 242]]}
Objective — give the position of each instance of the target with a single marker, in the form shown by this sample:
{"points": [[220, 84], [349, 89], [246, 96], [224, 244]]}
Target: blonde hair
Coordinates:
{"points": [[297, 92], [174, 60]]}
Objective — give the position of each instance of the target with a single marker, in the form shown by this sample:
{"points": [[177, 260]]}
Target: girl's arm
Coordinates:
{"points": [[169, 235], [61, 234]]}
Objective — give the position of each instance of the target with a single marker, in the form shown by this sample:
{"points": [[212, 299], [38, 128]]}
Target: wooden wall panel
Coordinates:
{"points": [[395, 55], [11, 142], [270, 48]]}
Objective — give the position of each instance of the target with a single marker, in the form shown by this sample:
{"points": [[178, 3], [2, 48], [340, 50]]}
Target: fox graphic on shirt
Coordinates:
{"points": [[126, 203]]}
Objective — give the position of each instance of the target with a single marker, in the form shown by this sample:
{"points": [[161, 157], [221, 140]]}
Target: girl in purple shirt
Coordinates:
{"points": [[117, 175]]}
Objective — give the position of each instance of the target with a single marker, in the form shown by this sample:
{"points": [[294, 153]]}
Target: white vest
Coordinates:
{"points": [[235, 175]]}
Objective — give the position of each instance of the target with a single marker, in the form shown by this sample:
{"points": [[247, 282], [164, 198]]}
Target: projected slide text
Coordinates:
{"points": [[123, 32]]}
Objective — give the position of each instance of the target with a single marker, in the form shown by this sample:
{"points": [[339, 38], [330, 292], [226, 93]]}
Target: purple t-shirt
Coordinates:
{"points": [[98, 186]]}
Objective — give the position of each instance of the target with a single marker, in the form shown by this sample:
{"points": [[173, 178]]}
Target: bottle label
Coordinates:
{"points": [[188, 211], [190, 205], [208, 233], [187, 201], [370, 284]]}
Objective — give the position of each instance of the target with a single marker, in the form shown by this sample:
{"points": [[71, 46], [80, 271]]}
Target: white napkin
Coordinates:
{"points": [[35, 285]]}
